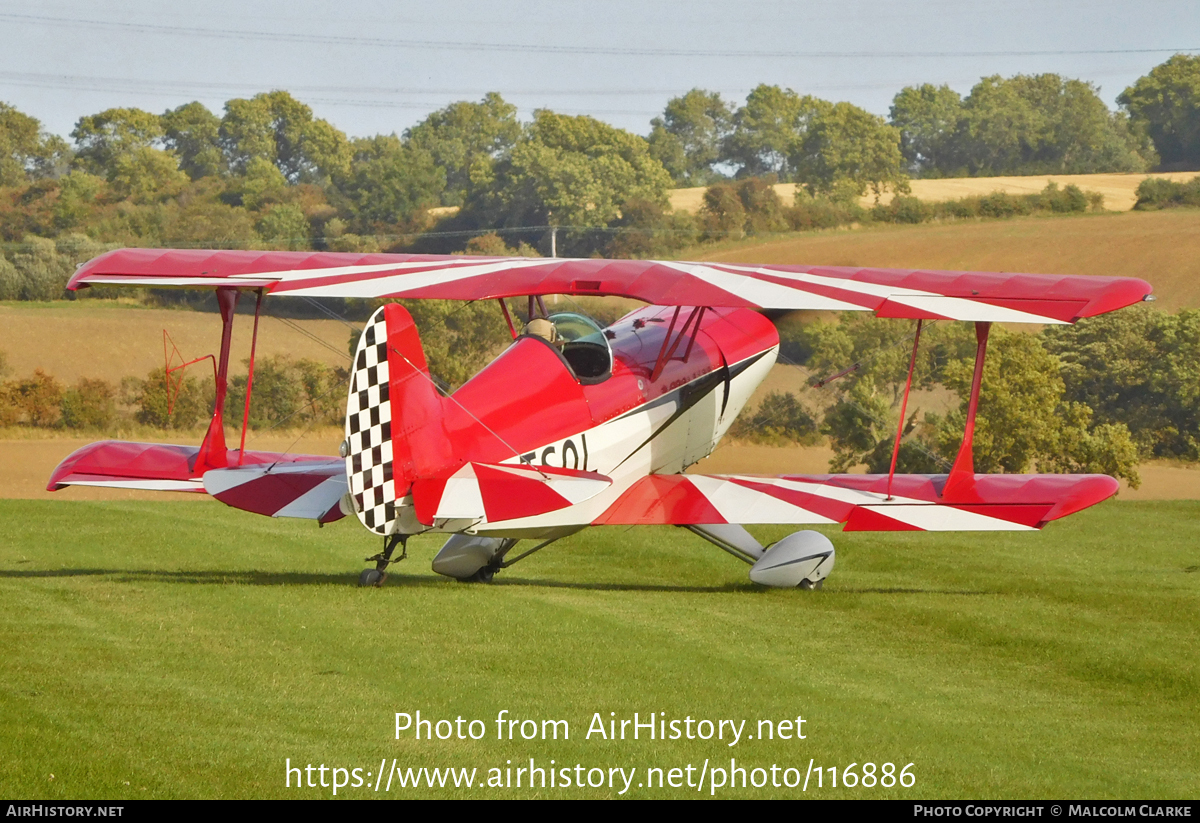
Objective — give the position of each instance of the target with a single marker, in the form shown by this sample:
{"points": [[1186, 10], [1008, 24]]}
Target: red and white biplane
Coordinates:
{"points": [[576, 425]]}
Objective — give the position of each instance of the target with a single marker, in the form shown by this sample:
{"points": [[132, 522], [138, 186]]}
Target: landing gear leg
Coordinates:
{"points": [[494, 565], [376, 576]]}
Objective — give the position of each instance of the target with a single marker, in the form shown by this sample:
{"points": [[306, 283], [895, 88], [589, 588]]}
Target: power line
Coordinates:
{"points": [[545, 48], [186, 86]]}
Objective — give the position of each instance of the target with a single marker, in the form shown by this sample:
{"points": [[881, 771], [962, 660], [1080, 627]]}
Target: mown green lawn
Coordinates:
{"points": [[189, 650]]}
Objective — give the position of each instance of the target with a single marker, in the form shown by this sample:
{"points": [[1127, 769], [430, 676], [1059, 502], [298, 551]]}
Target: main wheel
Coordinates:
{"points": [[370, 577]]}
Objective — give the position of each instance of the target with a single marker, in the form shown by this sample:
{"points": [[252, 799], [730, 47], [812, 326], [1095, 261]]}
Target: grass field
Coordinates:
{"points": [[188, 650]]}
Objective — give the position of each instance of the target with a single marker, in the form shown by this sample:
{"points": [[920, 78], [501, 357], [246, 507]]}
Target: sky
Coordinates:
{"points": [[377, 67]]}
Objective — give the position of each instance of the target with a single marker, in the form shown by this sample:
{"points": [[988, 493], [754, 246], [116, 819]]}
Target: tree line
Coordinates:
{"points": [[267, 173], [287, 392]]}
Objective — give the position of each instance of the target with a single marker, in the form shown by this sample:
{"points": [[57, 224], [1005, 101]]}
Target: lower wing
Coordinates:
{"points": [[863, 502]]}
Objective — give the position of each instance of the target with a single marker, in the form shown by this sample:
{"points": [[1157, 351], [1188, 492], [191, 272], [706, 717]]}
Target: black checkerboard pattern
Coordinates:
{"points": [[369, 431]]}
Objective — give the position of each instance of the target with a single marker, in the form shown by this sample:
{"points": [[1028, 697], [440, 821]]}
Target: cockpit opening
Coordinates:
{"points": [[579, 340]]}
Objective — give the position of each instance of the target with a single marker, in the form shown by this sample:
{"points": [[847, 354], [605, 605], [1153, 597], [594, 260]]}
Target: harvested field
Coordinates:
{"points": [[111, 340], [1118, 189]]}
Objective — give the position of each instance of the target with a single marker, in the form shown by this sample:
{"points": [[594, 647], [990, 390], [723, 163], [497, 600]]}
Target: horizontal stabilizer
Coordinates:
{"points": [[495, 492], [1004, 502], [309, 490]]}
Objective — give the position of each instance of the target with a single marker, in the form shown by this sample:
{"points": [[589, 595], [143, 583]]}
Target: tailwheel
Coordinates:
{"points": [[376, 576]]}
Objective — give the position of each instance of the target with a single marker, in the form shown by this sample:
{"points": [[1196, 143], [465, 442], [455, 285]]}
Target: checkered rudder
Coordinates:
{"points": [[369, 431]]}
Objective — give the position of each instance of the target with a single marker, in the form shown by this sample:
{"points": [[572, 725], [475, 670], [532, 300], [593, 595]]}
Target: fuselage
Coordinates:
{"points": [[529, 406]]}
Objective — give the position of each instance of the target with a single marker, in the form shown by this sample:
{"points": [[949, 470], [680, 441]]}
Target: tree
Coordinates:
{"points": [[276, 127], [100, 139], [1001, 127], [261, 184], [388, 183], [284, 226], [1166, 102], [733, 208], [145, 174], [928, 118], [193, 133], [1137, 368], [1037, 124], [1017, 408], [768, 130], [121, 145], [11, 283], [205, 221], [44, 273], [25, 150], [490, 245], [847, 150], [35, 401], [1080, 135], [1023, 420], [646, 229], [90, 404], [569, 171], [688, 138], [858, 425], [462, 135], [182, 402], [79, 196], [781, 418]]}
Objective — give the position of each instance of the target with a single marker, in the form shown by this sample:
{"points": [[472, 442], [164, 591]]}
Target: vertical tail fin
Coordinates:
{"points": [[395, 429]]}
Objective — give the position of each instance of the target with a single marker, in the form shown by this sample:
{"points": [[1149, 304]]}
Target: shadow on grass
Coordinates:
{"points": [[896, 590], [397, 580], [239, 578], [394, 580]]}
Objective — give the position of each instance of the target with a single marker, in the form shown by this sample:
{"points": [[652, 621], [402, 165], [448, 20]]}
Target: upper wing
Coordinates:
{"points": [[998, 502], [978, 296]]}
